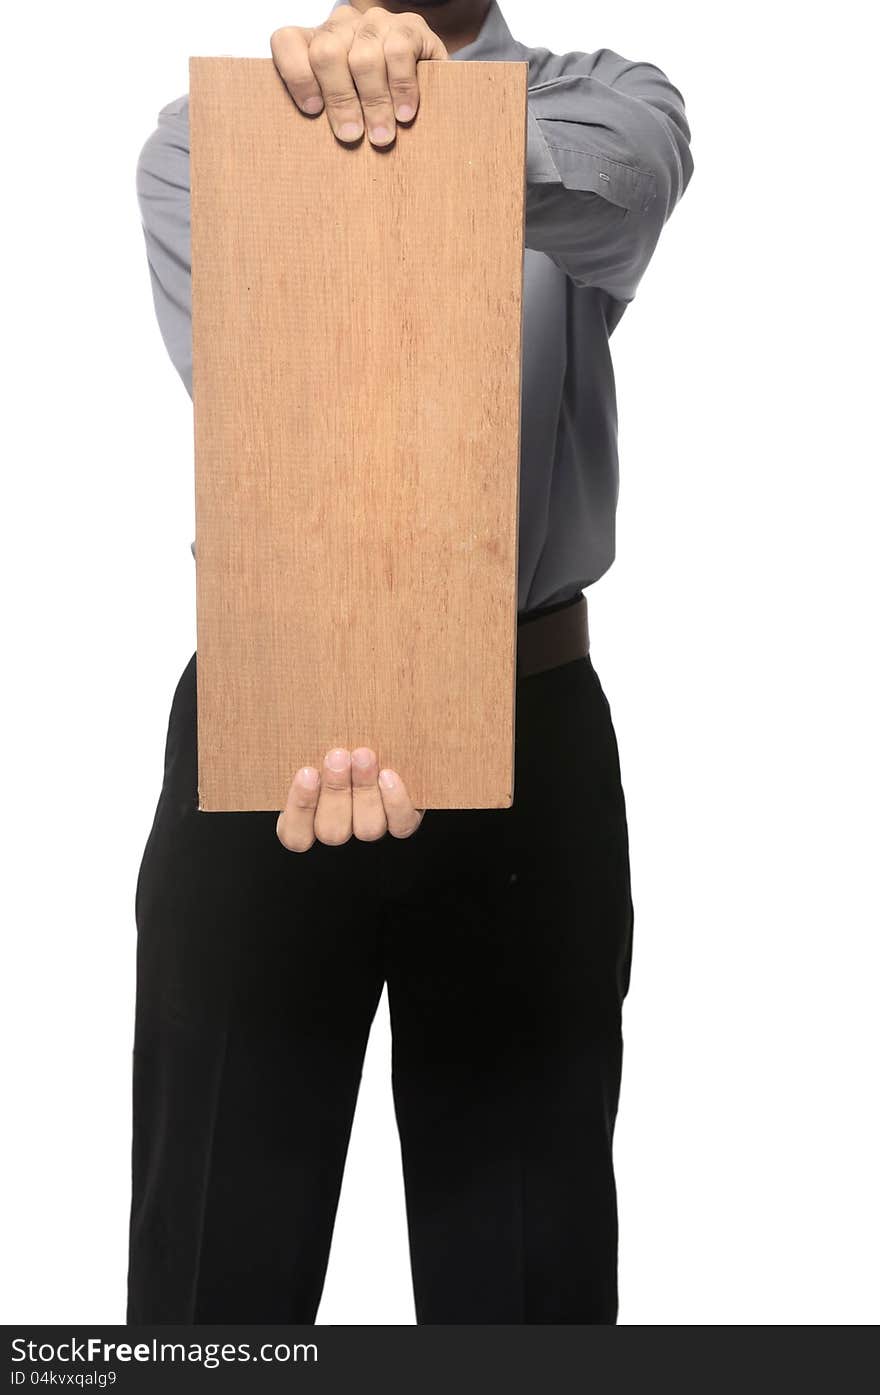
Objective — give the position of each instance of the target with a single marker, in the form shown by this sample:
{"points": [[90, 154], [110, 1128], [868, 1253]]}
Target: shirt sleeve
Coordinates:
{"points": [[162, 182], [608, 158]]}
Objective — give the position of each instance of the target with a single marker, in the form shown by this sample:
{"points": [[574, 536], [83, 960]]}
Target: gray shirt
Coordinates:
{"points": [[608, 157]]}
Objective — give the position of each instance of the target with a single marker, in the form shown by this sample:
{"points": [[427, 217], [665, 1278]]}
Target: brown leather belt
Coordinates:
{"points": [[546, 641]]}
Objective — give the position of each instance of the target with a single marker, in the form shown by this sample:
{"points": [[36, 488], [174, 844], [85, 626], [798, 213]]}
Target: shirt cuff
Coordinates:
{"points": [[540, 168], [567, 159]]}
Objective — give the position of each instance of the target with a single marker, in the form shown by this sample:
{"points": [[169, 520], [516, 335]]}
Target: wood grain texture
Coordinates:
{"points": [[356, 387]]}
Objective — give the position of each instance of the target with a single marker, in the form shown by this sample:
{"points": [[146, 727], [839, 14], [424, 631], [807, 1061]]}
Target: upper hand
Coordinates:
{"points": [[361, 68], [346, 799]]}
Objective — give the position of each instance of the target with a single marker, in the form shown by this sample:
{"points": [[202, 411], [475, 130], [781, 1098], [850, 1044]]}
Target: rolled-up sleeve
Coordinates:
{"points": [[163, 192], [608, 158]]}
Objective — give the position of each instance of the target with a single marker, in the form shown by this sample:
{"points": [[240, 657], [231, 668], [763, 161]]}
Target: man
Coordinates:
{"points": [[504, 936]]}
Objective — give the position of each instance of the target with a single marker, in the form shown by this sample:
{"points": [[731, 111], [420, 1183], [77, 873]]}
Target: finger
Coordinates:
{"points": [[368, 819], [328, 56], [433, 46], [333, 815], [403, 819], [366, 61], [296, 822], [409, 41], [290, 50], [401, 51]]}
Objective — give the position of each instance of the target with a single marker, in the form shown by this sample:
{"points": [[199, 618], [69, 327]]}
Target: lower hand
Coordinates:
{"points": [[350, 796], [359, 67]]}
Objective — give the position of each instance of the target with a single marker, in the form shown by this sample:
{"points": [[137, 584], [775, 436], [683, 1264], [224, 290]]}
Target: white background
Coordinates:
{"points": [[735, 637]]}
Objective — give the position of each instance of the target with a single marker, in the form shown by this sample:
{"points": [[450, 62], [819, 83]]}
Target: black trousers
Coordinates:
{"points": [[504, 937]]}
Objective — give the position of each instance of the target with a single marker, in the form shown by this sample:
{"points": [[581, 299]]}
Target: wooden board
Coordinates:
{"points": [[356, 387]]}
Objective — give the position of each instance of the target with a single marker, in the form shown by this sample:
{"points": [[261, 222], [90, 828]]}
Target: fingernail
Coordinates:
{"points": [[312, 105], [380, 135], [350, 130], [386, 779], [361, 758], [336, 760], [405, 113], [309, 776]]}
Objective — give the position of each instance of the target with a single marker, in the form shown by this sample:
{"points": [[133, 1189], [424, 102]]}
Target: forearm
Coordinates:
{"points": [[163, 192], [608, 159]]}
